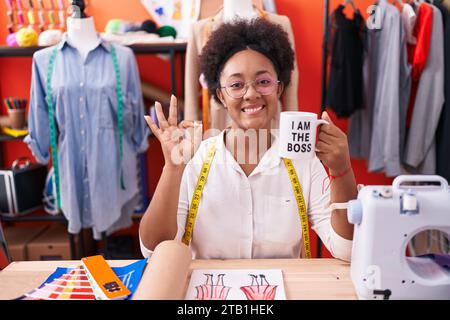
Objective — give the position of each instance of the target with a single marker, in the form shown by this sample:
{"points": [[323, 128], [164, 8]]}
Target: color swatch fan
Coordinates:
{"points": [[76, 283], [67, 285]]}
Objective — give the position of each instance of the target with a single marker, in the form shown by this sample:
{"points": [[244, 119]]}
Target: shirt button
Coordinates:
{"points": [[245, 186], [81, 116], [82, 132], [82, 84], [81, 99]]}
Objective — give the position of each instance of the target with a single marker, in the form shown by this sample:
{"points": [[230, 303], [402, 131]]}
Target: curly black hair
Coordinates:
{"points": [[259, 35]]}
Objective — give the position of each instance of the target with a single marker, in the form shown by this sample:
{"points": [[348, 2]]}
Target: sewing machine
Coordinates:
{"points": [[386, 219]]}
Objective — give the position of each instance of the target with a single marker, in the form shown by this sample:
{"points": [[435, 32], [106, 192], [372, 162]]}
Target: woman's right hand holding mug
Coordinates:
{"points": [[179, 142]]}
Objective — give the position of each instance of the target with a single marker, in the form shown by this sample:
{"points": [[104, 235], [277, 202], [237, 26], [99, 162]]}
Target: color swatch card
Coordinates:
{"points": [[67, 284], [106, 284], [74, 284], [236, 285]]}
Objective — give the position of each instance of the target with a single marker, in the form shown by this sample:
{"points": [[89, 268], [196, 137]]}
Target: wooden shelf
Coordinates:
{"points": [[10, 138], [33, 217], [156, 48], [45, 217], [178, 47]]}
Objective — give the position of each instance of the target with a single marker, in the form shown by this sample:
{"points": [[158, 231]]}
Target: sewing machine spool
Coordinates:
{"points": [[386, 219]]}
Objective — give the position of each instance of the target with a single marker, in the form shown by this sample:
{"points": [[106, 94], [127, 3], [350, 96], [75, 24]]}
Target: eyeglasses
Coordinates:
{"points": [[264, 86]]}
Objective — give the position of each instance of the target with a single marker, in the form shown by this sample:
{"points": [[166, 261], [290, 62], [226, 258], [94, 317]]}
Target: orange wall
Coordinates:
{"points": [[307, 20]]}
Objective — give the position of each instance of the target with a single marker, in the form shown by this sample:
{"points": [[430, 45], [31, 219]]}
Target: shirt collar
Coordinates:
{"points": [[269, 160], [65, 40]]}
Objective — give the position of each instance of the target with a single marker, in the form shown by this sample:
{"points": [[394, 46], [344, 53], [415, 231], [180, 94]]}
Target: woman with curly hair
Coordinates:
{"points": [[234, 198]]}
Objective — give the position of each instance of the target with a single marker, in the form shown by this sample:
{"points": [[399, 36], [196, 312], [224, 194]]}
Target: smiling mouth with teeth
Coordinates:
{"points": [[252, 110]]}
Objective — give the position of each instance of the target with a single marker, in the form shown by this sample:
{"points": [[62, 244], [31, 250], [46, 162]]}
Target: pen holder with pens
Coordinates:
{"points": [[17, 118], [16, 114]]}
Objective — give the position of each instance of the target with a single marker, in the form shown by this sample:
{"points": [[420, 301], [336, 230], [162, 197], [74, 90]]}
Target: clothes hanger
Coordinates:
{"points": [[346, 2], [415, 4], [400, 3]]}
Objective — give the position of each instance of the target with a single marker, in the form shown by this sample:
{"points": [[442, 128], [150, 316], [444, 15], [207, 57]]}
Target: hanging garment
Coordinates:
{"points": [[218, 115], [344, 94], [409, 18], [443, 133], [418, 52], [420, 152], [85, 104], [375, 132]]}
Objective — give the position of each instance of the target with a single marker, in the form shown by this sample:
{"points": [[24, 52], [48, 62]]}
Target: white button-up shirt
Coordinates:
{"points": [[242, 217]]}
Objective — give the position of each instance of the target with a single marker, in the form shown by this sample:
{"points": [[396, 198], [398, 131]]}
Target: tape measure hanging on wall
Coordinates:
{"points": [[52, 119], [198, 191]]}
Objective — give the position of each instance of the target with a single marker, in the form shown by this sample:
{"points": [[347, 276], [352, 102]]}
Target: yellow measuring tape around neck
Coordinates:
{"points": [[300, 205], [195, 203], [198, 194]]}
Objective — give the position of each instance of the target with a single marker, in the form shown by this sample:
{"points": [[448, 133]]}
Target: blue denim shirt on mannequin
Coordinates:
{"points": [[84, 95]]}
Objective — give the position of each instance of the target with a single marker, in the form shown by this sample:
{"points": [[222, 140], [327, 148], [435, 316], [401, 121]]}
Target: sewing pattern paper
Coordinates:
{"points": [[236, 285]]}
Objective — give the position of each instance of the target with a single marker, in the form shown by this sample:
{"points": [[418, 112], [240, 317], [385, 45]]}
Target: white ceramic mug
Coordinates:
{"points": [[297, 139]]}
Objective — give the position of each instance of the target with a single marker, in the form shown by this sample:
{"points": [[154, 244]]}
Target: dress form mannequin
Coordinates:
{"points": [[243, 9], [81, 30]]}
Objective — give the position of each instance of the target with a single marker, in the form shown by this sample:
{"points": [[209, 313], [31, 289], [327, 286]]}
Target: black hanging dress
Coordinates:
{"points": [[345, 86]]}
